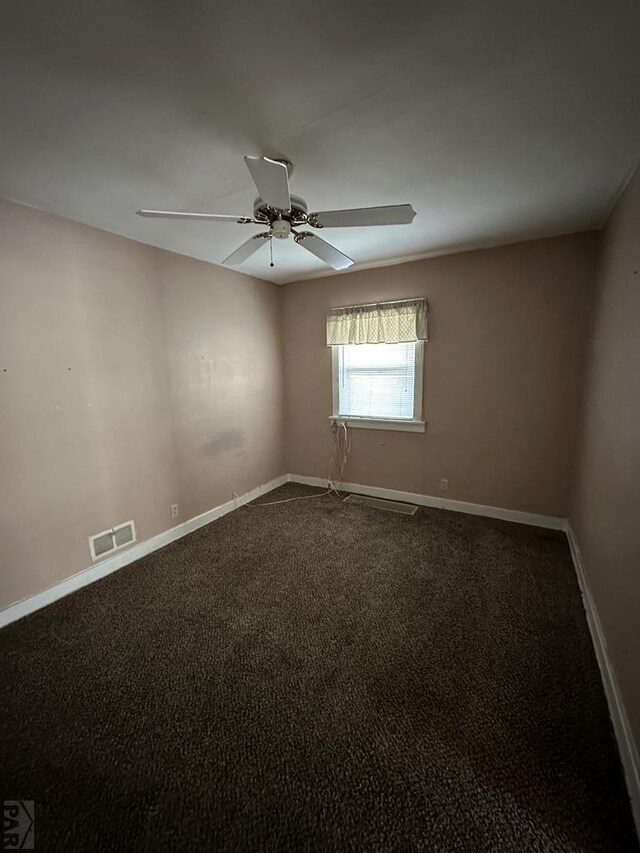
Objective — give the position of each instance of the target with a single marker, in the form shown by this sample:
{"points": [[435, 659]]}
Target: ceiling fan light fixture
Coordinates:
{"points": [[280, 228]]}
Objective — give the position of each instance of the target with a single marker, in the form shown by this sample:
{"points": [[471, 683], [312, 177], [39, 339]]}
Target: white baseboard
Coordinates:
{"points": [[624, 736], [130, 555], [531, 518]]}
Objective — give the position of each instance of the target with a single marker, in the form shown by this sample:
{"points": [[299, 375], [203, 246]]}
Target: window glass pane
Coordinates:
{"points": [[376, 380]]}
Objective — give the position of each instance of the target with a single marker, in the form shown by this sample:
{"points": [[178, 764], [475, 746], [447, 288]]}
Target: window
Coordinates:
{"points": [[377, 350], [379, 385]]}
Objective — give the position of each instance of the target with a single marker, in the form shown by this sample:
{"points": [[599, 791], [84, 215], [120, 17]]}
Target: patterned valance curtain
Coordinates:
{"points": [[378, 323]]}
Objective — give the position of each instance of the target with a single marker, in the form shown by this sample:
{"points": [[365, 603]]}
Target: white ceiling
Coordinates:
{"points": [[498, 121]]}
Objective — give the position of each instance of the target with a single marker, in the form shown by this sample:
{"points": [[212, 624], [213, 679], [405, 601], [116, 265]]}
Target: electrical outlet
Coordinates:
{"points": [[175, 512], [444, 485]]}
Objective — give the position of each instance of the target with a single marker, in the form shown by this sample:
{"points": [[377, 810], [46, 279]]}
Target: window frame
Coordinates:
{"points": [[415, 424]]}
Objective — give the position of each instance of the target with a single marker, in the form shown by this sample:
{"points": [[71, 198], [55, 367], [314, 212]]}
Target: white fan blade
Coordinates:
{"points": [[272, 180], [176, 214], [323, 250], [392, 214], [246, 250]]}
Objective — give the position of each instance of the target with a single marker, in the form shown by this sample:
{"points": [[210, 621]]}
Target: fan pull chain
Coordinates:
{"points": [[271, 252]]}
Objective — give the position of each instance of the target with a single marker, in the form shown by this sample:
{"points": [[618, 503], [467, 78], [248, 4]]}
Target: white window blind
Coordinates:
{"points": [[376, 380]]}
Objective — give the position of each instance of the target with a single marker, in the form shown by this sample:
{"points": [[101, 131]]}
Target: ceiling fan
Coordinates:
{"points": [[282, 213]]}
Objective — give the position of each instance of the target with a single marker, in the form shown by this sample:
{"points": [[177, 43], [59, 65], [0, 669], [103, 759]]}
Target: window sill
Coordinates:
{"points": [[380, 423]]}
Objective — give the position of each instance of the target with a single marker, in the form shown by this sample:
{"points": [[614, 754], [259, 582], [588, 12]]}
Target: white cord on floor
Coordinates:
{"points": [[335, 472], [286, 500]]}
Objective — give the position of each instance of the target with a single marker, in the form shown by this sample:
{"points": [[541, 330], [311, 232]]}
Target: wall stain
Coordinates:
{"points": [[223, 442]]}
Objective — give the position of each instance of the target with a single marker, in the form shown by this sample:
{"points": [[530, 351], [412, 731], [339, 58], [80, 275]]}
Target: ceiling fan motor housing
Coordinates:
{"points": [[297, 213]]}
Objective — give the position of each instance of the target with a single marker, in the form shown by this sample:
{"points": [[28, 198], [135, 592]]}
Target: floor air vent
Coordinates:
{"points": [[379, 503], [112, 540]]}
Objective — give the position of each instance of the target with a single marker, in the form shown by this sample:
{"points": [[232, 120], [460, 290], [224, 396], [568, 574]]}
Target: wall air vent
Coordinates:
{"points": [[112, 540]]}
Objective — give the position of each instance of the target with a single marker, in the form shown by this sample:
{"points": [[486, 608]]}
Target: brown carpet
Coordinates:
{"points": [[318, 676]]}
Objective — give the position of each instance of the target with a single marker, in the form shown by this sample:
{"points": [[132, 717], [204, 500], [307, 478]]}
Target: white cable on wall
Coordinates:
{"points": [[339, 455]]}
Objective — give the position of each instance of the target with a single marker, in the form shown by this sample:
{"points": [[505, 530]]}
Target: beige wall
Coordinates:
{"points": [[507, 334], [225, 373], [94, 427], [605, 512]]}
